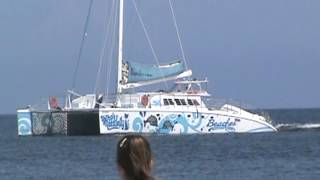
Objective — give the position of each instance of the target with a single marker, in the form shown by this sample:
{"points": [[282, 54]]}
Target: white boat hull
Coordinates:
{"points": [[174, 122]]}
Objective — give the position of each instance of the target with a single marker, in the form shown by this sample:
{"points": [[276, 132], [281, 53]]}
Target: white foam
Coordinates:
{"points": [[297, 126]]}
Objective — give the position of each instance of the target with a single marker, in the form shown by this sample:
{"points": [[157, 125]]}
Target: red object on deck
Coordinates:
{"points": [[53, 103], [144, 100]]}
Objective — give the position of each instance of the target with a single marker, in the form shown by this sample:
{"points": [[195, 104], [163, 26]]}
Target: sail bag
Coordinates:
{"points": [[135, 72]]}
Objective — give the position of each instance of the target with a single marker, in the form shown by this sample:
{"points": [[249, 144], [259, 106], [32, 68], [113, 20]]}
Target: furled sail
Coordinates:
{"points": [[135, 74], [141, 72]]}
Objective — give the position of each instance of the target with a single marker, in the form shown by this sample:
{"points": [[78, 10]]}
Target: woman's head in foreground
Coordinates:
{"points": [[134, 158]]}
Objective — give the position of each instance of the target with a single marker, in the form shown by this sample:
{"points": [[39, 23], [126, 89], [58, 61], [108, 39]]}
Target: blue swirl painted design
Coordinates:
{"points": [[170, 124], [196, 121], [165, 126], [172, 117], [24, 126], [137, 124], [182, 121]]}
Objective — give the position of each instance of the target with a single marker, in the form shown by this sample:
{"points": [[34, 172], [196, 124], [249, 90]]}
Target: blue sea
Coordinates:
{"points": [[291, 153]]}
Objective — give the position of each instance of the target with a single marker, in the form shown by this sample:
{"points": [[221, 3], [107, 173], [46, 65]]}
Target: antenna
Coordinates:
{"points": [[120, 44]]}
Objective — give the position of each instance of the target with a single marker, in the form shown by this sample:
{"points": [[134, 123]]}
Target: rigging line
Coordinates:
{"points": [[178, 34], [145, 32], [102, 53], [112, 48], [84, 35], [148, 38]]}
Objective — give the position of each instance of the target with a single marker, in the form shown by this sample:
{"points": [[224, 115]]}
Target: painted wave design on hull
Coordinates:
{"points": [[184, 123], [24, 126], [24, 123]]}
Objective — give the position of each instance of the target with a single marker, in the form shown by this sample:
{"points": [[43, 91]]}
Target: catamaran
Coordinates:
{"points": [[182, 110]]}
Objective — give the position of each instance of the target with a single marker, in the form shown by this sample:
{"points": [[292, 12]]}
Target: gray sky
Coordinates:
{"points": [[264, 53]]}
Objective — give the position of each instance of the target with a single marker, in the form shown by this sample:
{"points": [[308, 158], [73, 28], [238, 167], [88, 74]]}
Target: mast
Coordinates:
{"points": [[120, 46]]}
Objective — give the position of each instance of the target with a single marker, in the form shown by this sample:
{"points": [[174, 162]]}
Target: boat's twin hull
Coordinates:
{"points": [[58, 122], [113, 121]]}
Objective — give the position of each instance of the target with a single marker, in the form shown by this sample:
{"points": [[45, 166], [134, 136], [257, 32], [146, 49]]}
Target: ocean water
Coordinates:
{"points": [[292, 153]]}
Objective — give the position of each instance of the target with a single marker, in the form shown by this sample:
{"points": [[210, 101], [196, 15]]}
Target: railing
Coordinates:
{"points": [[210, 103], [217, 103]]}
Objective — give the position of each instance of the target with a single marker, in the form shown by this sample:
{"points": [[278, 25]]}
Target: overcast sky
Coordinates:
{"points": [[265, 53]]}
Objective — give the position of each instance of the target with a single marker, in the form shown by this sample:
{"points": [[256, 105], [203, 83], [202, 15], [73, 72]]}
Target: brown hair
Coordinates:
{"points": [[134, 157]]}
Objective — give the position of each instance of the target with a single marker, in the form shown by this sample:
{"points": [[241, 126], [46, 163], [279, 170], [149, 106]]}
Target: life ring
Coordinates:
{"points": [[145, 100]]}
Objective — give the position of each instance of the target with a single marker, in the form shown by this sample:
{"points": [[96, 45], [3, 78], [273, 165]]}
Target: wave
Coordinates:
{"points": [[298, 127]]}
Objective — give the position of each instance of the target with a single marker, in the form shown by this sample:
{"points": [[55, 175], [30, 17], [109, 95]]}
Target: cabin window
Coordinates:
{"points": [[190, 102], [195, 102], [171, 102], [166, 102], [177, 102], [183, 102]]}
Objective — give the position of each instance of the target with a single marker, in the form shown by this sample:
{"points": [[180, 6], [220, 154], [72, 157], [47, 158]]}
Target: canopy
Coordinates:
{"points": [[140, 72], [135, 74]]}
